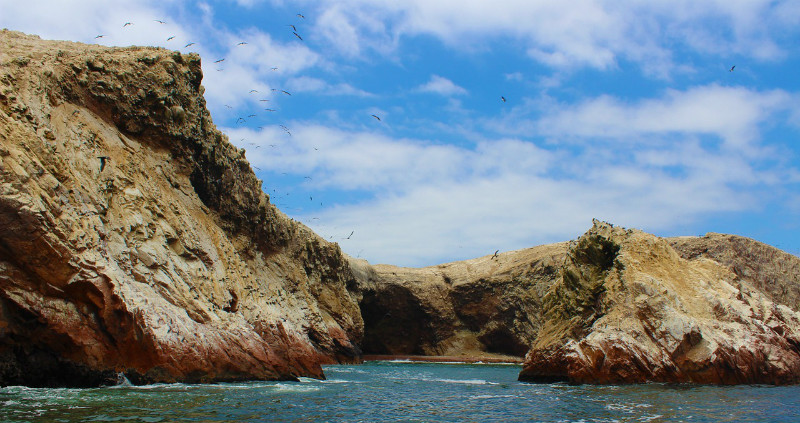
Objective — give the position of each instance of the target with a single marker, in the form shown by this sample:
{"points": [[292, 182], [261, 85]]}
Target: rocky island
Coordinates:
{"points": [[136, 240]]}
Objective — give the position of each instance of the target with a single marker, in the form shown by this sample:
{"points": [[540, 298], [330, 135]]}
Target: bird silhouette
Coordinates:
{"points": [[170, 38], [242, 43], [286, 92], [351, 234], [220, 60], [187, 45], [376, 117], [126, 24], [503, 98], [99, 36], [298, 36], [300, 15], [495, 254], [731, 69], [294, 28], [161, 22]]}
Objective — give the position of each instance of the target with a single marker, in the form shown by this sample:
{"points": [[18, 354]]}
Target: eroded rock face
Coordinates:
{"points": [[478, 308], [135, 238], [628, 308]]}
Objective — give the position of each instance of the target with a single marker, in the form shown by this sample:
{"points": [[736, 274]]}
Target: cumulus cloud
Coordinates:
{"points": [[429, 202], [440, 85]]}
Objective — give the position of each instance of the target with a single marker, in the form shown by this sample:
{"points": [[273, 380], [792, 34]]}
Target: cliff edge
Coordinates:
{"points": [[628, 307], [136, 239]]}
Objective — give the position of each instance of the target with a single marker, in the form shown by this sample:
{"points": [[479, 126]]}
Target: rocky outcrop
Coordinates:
{"points": [[135, 238], [485, 307], [629, 308]]}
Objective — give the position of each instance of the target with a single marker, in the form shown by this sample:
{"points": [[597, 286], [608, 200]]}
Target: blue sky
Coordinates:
{"points": [[625, 111]]}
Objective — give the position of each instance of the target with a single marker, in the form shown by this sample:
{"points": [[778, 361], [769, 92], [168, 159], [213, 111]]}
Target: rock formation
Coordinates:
{"points": [[478, 308], [135, 238], [629, 308]]}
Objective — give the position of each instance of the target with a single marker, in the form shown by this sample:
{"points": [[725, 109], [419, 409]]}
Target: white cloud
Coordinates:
{"points": [[431, 203], [310, 84], [442, 86], [594, 33], [733, 114]]}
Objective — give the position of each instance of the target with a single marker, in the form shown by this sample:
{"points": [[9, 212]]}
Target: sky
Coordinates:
{"points": [[420, 132]]}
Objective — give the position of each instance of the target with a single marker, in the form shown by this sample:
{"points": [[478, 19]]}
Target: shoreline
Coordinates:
{"points": [[445, 359]]}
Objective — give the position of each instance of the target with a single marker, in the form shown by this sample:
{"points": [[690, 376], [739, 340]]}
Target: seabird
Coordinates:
{"points": [[241, 43], [220, 60], [300, 15], [503, 98], [161, 22], [103, 161], [240, 119], [351, 234], [271, 110], [253, 91], [274, 68], [286, 92], [263, 99], [170, 38], [126, 24], [376, 117], [495, 254], [298, 36], [731, 69], [99, 36], [293, 27], [251, 116], [187, 45]]}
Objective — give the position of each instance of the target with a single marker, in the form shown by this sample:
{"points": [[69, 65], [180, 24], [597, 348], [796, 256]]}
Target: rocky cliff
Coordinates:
{"points": [[478, 308], [135, 239], [632, 307]]}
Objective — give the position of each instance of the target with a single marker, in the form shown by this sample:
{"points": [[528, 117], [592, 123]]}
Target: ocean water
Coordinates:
{"points": [[403, 391]]}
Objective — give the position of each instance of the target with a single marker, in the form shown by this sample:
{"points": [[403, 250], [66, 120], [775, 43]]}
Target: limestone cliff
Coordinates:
{"points": [[629, 308], [135, 238]]}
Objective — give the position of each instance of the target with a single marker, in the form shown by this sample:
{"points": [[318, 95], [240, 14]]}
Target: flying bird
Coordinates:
{"points": [[271, 110], [240, 119], [241, 43], [300, 15], [376, 117], [161, 22], [251, 116], [503, 98], [99, 36], [286, 92], [220, 60], [298, 36], [253, 91], [294, 28], [126, 24], [274, 68], [495, 254], [264, 99], [170, 38], [187, 45], [351, 234], [103, 161], [731, 69]]}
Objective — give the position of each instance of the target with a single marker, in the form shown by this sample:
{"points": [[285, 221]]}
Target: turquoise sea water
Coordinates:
{"points": [[402, 391]]}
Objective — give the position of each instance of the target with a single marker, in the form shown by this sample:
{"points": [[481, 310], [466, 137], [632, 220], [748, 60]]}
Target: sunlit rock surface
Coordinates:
{"points": [[135, 238]]}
